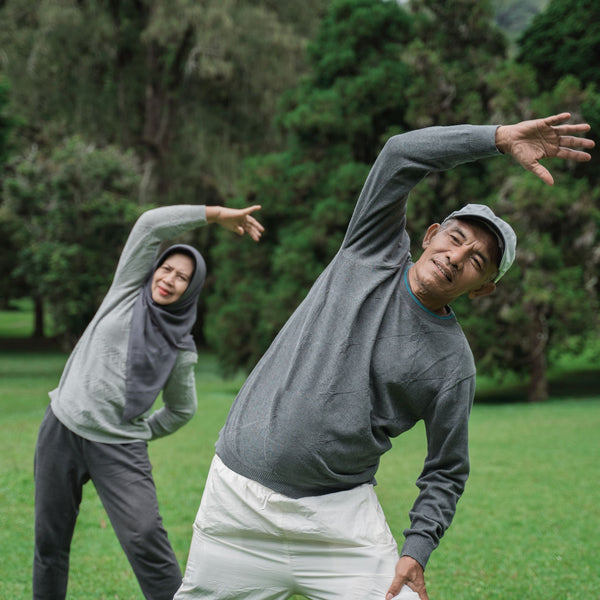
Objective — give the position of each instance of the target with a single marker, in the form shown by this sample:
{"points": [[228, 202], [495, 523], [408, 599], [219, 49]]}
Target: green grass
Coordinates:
{"points": [[527, 526], [99, 569], [17, 322]]}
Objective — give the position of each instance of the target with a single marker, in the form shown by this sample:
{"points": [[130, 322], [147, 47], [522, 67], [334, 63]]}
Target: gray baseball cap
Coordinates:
{"points": [[507, 239]]}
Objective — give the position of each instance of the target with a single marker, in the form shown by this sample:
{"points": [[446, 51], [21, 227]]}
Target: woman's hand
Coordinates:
{"points": [[238, 220]]}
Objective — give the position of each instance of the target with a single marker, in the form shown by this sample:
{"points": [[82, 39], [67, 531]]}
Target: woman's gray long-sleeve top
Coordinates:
{"points": [[90, 397]]}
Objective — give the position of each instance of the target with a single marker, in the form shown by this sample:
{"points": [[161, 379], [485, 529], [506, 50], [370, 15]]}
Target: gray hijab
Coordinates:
{"points": [[157, 334]]}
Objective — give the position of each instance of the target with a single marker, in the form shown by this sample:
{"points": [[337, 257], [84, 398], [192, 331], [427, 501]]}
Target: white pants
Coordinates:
{"points": [[250, 542]]}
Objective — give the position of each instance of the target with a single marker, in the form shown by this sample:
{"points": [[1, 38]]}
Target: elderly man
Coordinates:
{"points": [[289, 506]]}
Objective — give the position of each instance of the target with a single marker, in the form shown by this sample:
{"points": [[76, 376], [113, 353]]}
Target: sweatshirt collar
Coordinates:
{"points": [[450, 314]]}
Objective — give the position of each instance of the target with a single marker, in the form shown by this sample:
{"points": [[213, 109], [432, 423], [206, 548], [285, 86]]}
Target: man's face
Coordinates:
{"points": [[459, 258], [172, 278]]}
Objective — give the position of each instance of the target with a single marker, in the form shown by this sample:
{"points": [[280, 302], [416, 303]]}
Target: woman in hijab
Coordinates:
{"points": [[99, 420]]}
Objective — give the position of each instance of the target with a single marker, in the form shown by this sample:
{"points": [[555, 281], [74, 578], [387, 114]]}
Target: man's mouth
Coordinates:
{"points": [[444, 270]]}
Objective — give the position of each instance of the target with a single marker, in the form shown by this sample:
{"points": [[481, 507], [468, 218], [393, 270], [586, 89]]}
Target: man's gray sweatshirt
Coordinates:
{"points": [[361, 360]]}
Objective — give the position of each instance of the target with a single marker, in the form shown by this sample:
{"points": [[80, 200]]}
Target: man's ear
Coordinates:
{"points": [[429, 234], [485, 290]]}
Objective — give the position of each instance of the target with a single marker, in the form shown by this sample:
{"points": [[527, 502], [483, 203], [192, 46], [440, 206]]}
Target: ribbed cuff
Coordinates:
{"points": [[419, 548]]}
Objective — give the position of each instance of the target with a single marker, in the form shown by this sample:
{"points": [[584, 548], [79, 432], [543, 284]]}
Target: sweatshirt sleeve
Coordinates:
{"points": [[178, 396], [378, 223], [153, 227], [445, 471]]}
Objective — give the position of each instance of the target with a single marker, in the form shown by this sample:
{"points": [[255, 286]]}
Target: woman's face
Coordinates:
{"points": [[172, 278]]}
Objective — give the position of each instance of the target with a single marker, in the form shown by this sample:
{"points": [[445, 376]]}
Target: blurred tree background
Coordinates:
{"points": [[108, 108]]}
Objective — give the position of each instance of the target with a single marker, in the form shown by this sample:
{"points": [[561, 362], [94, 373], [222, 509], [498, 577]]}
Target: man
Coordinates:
{"points": [[289, 506]]}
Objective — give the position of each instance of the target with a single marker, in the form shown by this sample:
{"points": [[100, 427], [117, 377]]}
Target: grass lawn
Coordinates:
{"points": [[17, 322], [526, 528]]}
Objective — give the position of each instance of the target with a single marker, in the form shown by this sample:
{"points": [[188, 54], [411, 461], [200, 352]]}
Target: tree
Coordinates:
{"points": [[309, 190], [563, 40], [546, 306], [6, 122], [71, 213], [334, 123], [190, 85], [371, 75], [454, 55], [376, 69], [456, 47], [531, 322], [7, 248]]}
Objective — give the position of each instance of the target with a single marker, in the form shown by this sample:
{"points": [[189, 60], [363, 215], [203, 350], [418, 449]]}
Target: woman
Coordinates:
{"points": [[98, 423]]}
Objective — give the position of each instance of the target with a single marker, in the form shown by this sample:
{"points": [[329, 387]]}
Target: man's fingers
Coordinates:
{"points": [[570, 141], [542, 173], [572, 148], [570, 129], [577, 155], [554, 120]]}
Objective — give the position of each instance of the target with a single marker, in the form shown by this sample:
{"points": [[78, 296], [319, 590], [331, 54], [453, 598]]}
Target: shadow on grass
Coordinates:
{"points": [[29, 344], [574, 384]]}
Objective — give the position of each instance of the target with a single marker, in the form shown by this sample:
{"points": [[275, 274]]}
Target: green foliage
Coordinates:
{"points": [[189, 85], [70, 213], [6, 122], [563, 40], [356, 85], [549, 299], [456, 48], [7, 248]]}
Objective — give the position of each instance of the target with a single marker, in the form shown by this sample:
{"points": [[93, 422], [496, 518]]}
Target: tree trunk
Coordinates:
{"points": [[38, 318], [538, 382], [162, 80]]}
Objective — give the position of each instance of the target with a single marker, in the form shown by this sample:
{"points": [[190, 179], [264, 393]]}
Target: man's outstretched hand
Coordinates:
{"points": [[530, 141]]}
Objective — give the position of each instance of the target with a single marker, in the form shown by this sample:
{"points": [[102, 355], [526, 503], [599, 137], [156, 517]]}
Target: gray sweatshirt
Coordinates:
{"points": [[90, 397], [361, 360]]}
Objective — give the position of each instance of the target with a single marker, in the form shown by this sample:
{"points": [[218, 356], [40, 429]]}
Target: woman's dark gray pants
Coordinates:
{"points": [[122, 475]]}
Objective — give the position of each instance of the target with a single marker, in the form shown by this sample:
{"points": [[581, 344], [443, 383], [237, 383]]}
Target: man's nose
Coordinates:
{"points": [[457, 258]]}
